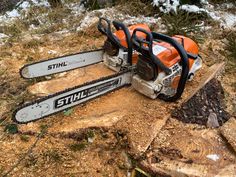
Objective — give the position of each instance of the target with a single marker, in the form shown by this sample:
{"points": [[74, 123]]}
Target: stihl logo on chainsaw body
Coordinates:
{"points": [[86, 93], [57, 65]]}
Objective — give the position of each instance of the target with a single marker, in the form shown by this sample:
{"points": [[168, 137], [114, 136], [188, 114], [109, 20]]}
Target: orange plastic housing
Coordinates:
{"points": [[121, 35], [170, 56]]}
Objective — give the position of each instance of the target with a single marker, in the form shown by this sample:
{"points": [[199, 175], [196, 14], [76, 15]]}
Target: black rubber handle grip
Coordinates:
{"points": [[184, 62], [138, 44], [121, 26], [104, 26]]}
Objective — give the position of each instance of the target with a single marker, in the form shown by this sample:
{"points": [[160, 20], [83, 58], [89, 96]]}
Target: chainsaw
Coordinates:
{"points": [[155, 64]]}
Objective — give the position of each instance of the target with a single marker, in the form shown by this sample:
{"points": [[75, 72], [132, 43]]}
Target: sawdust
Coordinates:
{"points": [[53, 157], [69, 80]]}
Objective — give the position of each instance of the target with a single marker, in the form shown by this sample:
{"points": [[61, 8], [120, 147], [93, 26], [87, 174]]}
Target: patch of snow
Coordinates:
{"points": [[204, 2], [192, 8], [76, 8], [41, 3], [2, 35], [112, 14], [141, 19], [32, 27], [92, 17], [166, 5], [25, 5], [228, 20], [213, 157], [12, 14]]}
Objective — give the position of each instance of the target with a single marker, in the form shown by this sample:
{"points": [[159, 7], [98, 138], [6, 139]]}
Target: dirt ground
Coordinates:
{"points": [[107, 136]]}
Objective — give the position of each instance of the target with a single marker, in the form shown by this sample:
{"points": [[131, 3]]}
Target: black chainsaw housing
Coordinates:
{"points": [[146, 69]]}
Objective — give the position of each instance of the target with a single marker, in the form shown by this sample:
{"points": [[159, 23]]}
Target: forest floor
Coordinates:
{"points": [[111, 135]]}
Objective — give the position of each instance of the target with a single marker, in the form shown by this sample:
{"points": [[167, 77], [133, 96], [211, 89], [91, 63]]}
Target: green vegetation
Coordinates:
{"points": [[24, 138], [43, 129], [95, 4], [90, 134], [32, 43], [187, 24], [137, 7], [52, 155], [68, 112], [223, 1], [77, 146], [13, 30], [31, 160], [11, 128], [230, 47]]}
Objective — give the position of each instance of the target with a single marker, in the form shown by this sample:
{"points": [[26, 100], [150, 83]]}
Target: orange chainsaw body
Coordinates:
{"points": [[168, 54], [121, 35]]}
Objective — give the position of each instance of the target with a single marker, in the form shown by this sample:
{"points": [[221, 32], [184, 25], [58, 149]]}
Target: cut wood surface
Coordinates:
{"points": [[212, 72], [189, 150], [127, 110], [228, 130]]}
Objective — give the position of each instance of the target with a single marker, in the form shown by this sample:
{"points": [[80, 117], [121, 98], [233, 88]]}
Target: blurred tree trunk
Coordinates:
{"points": [[55, 3]]}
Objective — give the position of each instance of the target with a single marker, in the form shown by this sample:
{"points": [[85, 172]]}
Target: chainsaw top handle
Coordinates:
{"points": [[106, 30], [148, 52]]}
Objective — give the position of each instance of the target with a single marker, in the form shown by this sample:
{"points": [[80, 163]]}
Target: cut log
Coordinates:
{"points": [[228, 130]]}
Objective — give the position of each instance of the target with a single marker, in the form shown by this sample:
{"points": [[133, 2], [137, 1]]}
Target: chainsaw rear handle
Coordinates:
{"points": [[138, 44], [121, 26], [106, 30], [184, 62], [104, 26]]}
